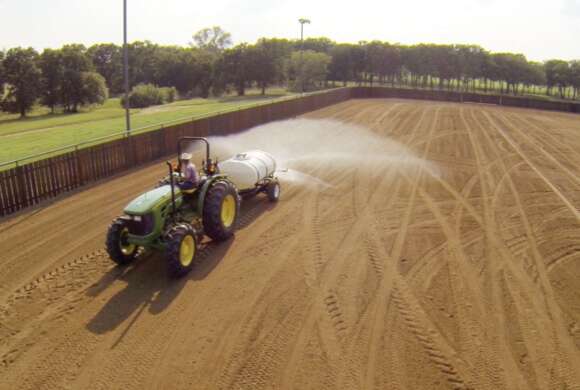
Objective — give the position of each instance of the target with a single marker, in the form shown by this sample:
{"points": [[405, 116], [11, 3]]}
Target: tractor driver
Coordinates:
{"points": [[188, 172]]}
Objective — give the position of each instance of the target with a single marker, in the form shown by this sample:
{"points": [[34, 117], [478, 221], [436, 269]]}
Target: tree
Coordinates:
{"points": [[575, 77], [1, 74], [174, 66], [51, 66], [554, 76], [75, 62], [213, 39], [560, 74], [22, 76], [512, 69], [471, 63], [534, 75], [309, 69], [210, 44], [206, 66], [269, 58], [374, 55], [237, 66], [320, 44], [107, 59], [94, 90], [142, 56], [341, 67], [416, 62]]}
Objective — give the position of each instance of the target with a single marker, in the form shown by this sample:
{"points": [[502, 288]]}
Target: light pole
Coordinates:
{"points": [[126, 69], [302, 22]]}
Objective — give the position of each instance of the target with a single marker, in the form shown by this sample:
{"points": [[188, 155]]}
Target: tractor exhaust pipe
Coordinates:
{"points": [[172, 184]]}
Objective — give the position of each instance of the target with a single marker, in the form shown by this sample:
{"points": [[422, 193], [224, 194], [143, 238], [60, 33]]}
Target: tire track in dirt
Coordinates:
{"points": [[294, 300], [153, 342], [560, 360], [182, 331], [378, 316], [487, 363], [556, 147], [68, 217], [369, 248], [514, 145], [108, 261], [503, 252], [327, 295], [464, 305]]}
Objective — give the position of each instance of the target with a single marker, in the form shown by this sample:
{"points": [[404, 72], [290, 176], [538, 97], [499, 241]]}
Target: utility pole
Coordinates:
{"points": [[126, 69], [302, 22]]}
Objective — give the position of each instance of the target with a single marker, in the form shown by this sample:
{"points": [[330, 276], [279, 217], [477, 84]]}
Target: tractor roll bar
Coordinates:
{"points": [[183, 139], [172, 184]]}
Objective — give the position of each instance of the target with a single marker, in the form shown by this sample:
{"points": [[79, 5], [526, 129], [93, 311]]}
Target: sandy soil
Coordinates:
{"points": [[387, 276]]}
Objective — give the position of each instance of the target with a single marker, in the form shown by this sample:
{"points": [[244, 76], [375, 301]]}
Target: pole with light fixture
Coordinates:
{"points": [[302, 22], [126, 69]]}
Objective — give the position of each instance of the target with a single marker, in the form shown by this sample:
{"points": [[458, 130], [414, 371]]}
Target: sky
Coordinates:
{"points": [[540, 29]]}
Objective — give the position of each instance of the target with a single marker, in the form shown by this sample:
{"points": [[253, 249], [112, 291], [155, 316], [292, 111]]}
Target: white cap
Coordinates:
{"points": [[185, 156]]}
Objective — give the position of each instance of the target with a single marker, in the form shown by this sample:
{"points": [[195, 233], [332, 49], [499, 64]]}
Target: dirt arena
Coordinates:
{"points": [[462, 272]]}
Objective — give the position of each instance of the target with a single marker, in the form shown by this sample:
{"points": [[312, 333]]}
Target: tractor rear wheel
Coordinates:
{"points": [[181, 250], [220, 211], [273, 190], [119, 250]]}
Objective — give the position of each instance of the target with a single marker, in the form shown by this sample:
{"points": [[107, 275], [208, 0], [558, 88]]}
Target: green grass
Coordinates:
{"points": [[42, 131]]}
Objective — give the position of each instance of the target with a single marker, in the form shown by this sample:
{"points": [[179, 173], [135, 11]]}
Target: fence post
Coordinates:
{"points": [[79, 166], [20, 187]]}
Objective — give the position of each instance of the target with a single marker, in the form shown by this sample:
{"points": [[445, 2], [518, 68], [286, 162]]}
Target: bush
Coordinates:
{"points": [[145, 95], [94, 90], [169, 94]]}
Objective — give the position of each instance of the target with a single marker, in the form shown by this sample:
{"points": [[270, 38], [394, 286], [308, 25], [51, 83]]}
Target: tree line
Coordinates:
{"points": [[75, 76]]}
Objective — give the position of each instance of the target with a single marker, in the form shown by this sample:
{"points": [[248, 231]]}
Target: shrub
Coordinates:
{"points": [[145, 95], [169, 94], [94, 90]]}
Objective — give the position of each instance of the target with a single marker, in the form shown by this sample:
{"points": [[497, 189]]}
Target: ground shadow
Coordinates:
{"points": [[147, 285], [34, 118], [42, 117]]}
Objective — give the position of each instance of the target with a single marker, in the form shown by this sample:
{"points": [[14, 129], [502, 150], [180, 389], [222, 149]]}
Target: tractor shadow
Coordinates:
{"points": [[146, 286]]}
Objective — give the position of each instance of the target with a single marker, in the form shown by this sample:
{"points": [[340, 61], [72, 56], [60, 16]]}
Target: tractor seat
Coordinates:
{"points": [[189, 192]]}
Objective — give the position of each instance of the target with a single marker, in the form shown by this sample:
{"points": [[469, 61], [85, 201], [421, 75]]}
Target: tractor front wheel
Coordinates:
{"points": [[119, 249], [220, 211], [181, 250]]}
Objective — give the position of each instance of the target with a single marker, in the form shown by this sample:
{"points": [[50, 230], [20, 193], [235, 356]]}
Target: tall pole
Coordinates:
{"points": [[126, 69], [302, 23]]}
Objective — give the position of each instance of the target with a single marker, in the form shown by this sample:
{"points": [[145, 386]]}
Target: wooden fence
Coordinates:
{"points": [[27, 185], [464, 97]]}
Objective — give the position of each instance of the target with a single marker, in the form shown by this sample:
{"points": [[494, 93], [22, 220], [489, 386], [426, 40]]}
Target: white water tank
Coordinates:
{"points": [[249, 168]]}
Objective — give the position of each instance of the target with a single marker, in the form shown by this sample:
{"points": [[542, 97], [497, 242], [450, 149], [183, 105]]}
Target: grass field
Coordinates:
{"points": [[42, 131]]}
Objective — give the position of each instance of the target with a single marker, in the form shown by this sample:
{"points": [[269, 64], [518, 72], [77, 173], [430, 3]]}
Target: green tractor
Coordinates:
{"points": [[174, 221]]}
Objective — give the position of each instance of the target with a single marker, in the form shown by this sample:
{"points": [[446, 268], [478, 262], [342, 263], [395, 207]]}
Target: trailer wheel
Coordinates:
{"points": [[220, 211], [273, 191], [181, 250], [119, 250]]}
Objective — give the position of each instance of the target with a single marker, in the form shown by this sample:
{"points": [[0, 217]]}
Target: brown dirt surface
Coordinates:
{"points": [[380, 276]]}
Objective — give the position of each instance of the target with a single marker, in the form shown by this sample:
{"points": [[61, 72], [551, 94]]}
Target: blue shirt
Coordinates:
{"points": [[189, 173]]}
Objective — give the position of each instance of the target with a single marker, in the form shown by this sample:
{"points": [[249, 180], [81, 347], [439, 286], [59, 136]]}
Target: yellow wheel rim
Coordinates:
{"points": [[125, 247], [187, 251], [228, 210]]}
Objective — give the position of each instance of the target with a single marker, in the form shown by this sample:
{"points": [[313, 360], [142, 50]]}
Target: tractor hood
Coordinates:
{"points": [[146, 202]]}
